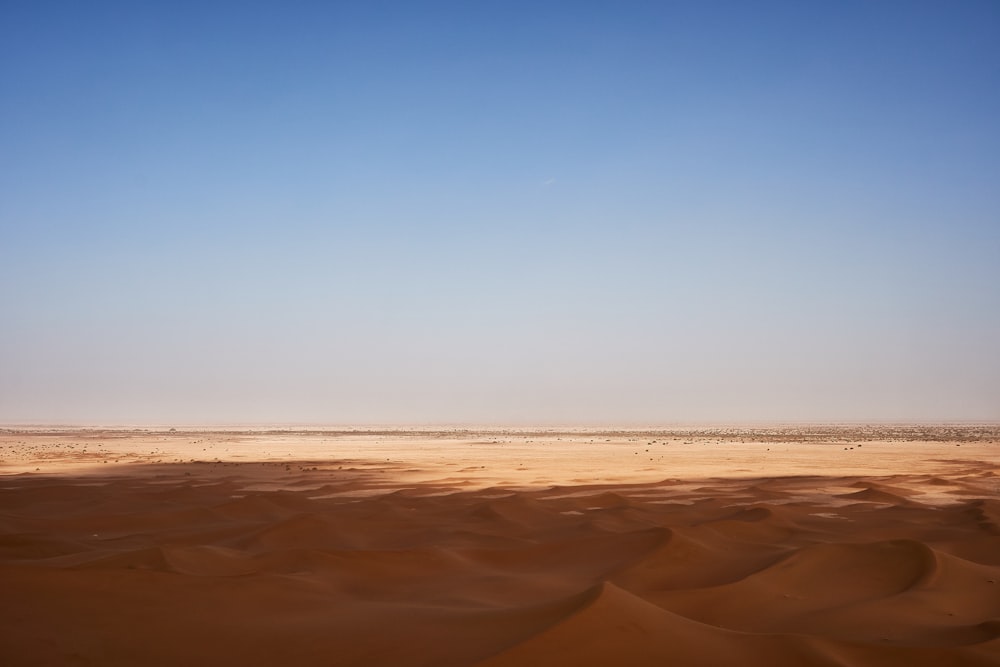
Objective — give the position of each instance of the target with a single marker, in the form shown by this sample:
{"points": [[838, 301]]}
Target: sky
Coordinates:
{"points": [[626, 213]]}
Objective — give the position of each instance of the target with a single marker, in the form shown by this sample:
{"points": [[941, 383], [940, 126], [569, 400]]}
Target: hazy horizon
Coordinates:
{"points": [[384, 213]]}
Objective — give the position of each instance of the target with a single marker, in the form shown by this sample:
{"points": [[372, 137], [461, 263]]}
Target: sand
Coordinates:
{"points": [[725, 546]]}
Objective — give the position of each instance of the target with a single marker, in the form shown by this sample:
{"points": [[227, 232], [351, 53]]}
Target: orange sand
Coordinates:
{"points": [[781, 546]]}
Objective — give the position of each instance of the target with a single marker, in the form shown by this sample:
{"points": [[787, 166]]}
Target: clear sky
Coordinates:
{"points": [[503, 212]]}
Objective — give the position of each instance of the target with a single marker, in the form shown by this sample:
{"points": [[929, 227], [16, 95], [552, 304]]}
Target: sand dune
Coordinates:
{"points": [[355, 562], [618, 627]]}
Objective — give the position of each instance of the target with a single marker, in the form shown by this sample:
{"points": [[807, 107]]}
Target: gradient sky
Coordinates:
{"points": [[503, 212]]}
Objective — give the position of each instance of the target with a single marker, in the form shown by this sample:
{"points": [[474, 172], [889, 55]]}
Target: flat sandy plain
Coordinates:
{"points": [[860, 545]]}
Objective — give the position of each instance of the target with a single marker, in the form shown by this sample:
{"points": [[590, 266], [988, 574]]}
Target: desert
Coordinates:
{"points": [[500, 334], [779, 545]]}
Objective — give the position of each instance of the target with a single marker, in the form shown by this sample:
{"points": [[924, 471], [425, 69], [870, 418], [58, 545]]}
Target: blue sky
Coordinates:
{"points": [[560, 212]]}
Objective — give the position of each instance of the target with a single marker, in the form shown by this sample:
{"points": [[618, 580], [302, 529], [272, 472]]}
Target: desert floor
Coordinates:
{"points": [[875, 545]]}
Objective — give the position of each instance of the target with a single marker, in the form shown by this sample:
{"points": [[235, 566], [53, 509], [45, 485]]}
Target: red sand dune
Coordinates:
{"points": [[251, 564]]}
